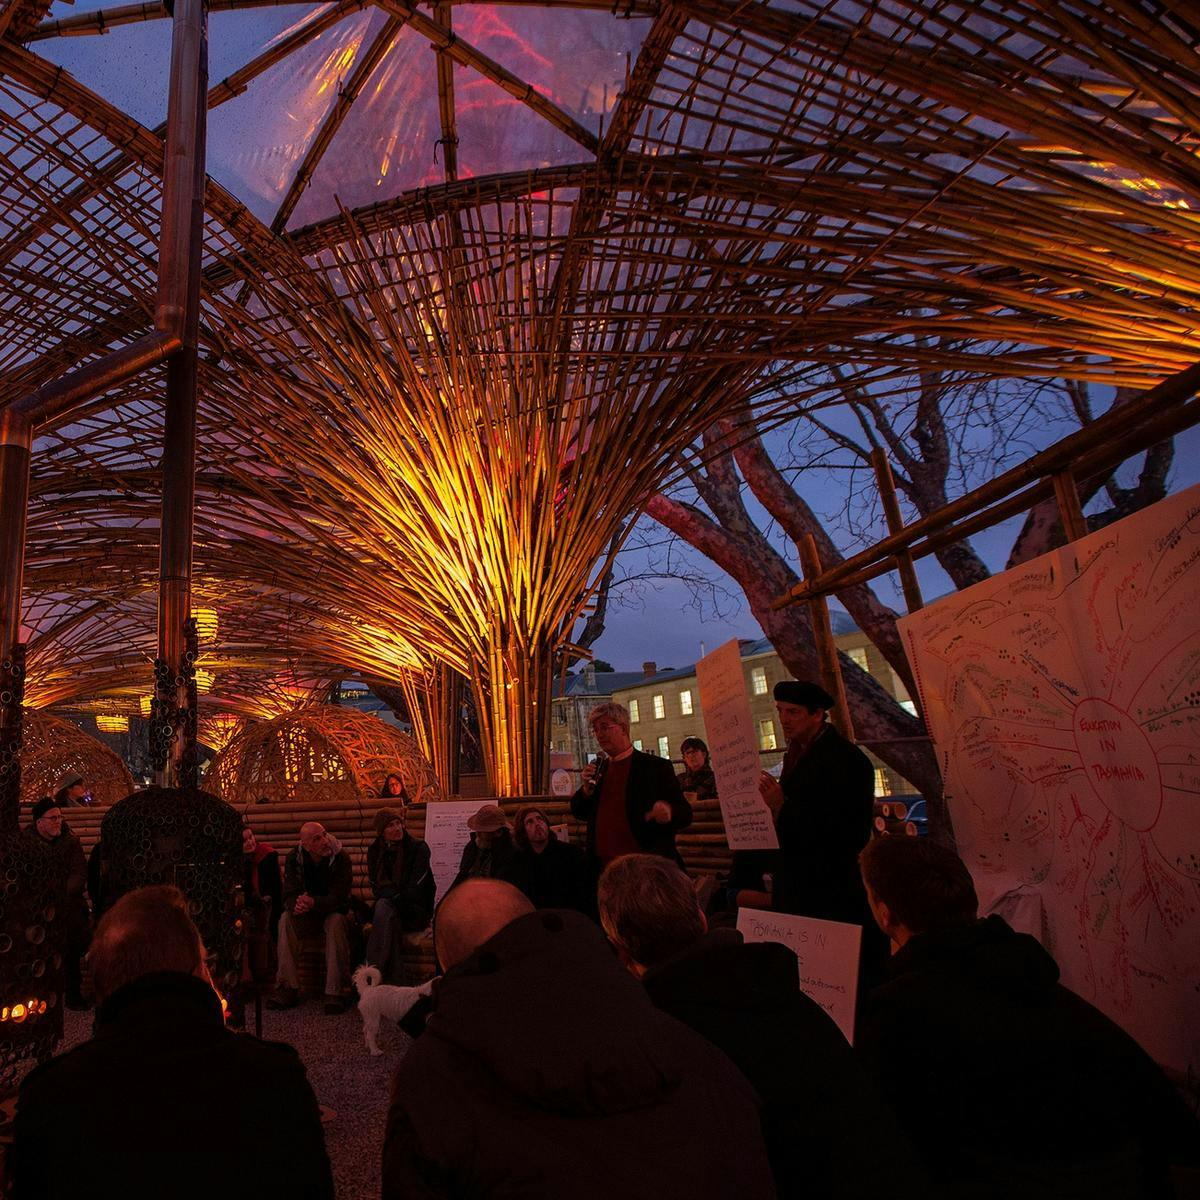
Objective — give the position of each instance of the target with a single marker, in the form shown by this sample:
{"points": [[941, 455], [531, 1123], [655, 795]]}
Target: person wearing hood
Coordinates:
{"points": [[163, 1100], [827, 1131], [544, 1071], [50, 827], [555, 872], [402, 883], [1010, 1084], [317, 878]]}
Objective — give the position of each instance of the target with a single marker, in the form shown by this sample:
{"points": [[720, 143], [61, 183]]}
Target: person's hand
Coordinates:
{"points": [[303, 903], [587, 778], [661, 812], [770, 790]]}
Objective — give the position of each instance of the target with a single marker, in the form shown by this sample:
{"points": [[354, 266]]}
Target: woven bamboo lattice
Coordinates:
{"points": [[464, 310], [319, 755], [55, 751]]}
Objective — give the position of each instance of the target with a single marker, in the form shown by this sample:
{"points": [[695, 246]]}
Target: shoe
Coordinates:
{"points": [[334, 1006], [76, 1002], [284, 997]]}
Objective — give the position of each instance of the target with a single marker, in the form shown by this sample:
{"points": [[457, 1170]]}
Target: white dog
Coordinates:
{"points": [[377, 999]]}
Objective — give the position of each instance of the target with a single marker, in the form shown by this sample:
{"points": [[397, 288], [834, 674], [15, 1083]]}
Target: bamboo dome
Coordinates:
{"points": [[54, 751], [321, 754]]}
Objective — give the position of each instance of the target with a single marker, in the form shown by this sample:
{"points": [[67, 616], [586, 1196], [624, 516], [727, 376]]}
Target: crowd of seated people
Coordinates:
{"points": [[646, 1054]]}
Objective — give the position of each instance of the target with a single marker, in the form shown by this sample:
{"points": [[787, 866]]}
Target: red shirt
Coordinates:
{"points": [[613, 836]]}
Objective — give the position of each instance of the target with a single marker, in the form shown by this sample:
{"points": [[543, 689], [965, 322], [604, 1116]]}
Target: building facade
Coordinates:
{"points": [[664, 706]]}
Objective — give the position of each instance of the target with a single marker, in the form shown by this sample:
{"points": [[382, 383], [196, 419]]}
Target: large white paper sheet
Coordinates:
{"points": [[733, 749], [447, 834], [1064, 700], [827, 952]]}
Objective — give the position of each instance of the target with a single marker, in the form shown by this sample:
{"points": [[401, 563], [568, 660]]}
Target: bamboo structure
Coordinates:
{"points": [[461, 312]]}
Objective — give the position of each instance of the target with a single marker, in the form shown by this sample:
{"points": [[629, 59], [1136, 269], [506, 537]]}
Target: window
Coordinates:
{"points": [[637, 743], [634, 715], [664, 749], [758, 681], [560, 715], [858, 656], [766, 735], [685, 703], [660, 707], [882, 786]]}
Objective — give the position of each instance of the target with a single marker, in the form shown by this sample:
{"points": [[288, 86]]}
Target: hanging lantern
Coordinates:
{"points": [[145, 704], [204, 681], [206, 623], [112, 723]]}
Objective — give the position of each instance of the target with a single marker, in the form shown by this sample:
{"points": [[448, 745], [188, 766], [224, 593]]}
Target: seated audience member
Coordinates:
{"points": [[50, 827], [393, 789], [317, 878], [491, 853], [402, 883], [828, 1134], [555, 874], [164, 1100], [546, 1072], [698, 781], [73, 794], [262, 897], [1010, 1084]]}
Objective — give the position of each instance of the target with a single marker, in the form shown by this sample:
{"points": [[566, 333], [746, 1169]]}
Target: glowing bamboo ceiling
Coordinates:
{"points": [[476, 272]]}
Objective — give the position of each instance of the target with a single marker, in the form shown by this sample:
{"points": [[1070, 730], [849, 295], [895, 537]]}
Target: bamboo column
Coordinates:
{"points": [[16, 441], [1070, 511], [178, 307], [827, 652]]}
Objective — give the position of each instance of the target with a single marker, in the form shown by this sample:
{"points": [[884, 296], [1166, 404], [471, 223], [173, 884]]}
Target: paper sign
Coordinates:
{"points": [[447, 835], [827, 952], [733, 749]]}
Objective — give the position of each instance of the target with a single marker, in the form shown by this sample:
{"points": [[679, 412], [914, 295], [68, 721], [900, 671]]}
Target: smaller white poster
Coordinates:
{"points": [[562, 833], [827, 952], [447, 834], [733, 749]]}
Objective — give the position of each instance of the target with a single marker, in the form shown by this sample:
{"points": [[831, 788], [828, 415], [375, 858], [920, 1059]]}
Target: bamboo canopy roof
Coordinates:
{"points": [[476, 274]]}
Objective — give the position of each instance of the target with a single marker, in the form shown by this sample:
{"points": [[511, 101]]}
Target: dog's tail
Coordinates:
{"points": [[367, 976]]}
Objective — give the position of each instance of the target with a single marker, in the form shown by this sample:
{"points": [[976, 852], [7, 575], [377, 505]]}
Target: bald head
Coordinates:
{"points": [[314, 839], [471, 914]]}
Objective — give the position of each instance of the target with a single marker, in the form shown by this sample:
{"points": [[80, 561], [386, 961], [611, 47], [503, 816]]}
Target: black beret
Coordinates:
{"points": [[800, 691], [43, 806]]}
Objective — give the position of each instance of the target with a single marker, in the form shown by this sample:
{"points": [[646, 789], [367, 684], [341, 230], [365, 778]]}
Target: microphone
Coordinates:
{"points": [[600, 762]]}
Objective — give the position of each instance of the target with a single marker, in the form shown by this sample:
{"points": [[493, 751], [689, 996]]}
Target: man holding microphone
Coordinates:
{"points": [[630, 800]]}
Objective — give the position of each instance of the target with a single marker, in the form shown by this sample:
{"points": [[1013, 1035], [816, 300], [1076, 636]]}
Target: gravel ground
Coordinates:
{"points": [[350, 1085]]}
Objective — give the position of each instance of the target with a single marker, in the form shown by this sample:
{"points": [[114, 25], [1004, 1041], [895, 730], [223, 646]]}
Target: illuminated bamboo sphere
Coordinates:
{"points": [[54, 751], [319, 754]]}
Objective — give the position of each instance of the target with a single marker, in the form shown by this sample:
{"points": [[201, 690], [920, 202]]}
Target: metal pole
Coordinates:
{"points": [[178, 308], [16, 441]]}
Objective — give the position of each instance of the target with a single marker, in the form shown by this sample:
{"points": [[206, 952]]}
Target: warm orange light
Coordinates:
{"points": [[110, 723], [145, 704], [18, 1013], [207, 623], [204, 681]]}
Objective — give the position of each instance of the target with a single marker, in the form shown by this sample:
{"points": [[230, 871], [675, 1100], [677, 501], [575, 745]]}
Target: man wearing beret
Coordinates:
{"points": [[822, 804]]}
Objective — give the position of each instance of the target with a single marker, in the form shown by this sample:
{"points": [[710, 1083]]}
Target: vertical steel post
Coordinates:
{"points": [[178, 308]]}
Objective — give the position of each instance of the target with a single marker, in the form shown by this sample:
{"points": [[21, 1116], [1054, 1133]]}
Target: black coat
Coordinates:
{"points": [[558, 877], [164, 1101], [501, 860], [650, 779], [327, 880], [829, 798], [1013, 1086], [828, 1132], [545, 1072], [262, 881], [402, 874]]}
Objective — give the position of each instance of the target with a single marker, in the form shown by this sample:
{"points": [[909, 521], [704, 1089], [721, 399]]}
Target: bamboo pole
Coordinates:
{"points": [[886, 483], [827, 652], [1070, 511]]}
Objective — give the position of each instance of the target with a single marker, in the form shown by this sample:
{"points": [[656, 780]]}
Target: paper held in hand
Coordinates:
{"points": [[827, 952], [733, 749]]}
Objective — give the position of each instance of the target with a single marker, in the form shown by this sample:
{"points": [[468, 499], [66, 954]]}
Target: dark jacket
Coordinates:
{"points": [[261, 881], [1013, 1086], [825, 821], [67, 851], [501, 860], [545, 1072], [650, 779], [326, 880], [401, 873], [828, 1132], [186, 1108], [703, 782], [558, 877]]}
